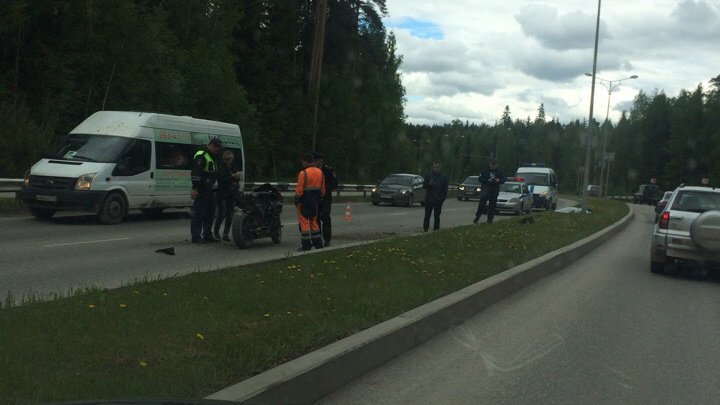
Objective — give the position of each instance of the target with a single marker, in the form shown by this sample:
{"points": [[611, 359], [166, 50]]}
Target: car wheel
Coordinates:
{"points": [[375, 203], [113, 209], [460, 198], [554, 206], [547, 205], [410, 201], [657, 267]]}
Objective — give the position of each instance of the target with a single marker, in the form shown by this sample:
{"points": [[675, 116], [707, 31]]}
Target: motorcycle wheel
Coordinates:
{"points": [[242, 236], [276, 234]]}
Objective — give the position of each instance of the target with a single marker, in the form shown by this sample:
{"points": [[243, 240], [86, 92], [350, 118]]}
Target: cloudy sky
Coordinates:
{"points": [[468, 59]]}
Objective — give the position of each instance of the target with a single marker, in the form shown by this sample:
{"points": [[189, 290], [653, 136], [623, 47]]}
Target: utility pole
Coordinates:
{"points": [[588, 141], [316, 62]]}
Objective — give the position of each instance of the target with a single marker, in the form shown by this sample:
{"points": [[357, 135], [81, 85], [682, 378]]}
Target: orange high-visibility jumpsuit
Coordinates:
{"points": [[309, 191]]}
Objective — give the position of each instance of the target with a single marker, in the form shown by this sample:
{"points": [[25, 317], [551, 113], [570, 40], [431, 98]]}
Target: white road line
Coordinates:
{"points": [[87, 242], [397, 213], [289, 223], [454, 209]]}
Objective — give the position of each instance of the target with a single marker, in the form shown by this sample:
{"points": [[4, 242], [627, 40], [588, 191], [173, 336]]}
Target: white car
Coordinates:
{"points": [[514, 197], [688, 229]]}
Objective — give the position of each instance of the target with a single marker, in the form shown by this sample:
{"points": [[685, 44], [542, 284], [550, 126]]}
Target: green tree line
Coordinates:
{"points": [[239, 61], [673, 139]]}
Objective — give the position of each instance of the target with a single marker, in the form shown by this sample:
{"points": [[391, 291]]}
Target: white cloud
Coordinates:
{"points": [[522, 53]]}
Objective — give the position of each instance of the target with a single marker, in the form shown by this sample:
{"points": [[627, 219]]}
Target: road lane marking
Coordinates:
{"points": [[86, 242], [397, 213]]}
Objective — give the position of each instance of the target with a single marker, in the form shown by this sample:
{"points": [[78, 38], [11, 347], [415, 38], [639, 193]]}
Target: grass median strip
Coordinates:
{"points": [[189, 336]]}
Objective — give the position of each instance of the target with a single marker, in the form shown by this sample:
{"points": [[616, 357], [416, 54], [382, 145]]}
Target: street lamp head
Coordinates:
{"points": [[634, 76], [588, 74]]}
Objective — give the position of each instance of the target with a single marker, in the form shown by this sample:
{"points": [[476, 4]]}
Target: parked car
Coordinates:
{"points": [[688, 229], [514, 197], [661, 204], [593, 190], [469, 189], [399, 189], [647, 194]]}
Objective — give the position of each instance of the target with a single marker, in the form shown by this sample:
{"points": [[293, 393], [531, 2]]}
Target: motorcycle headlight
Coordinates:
{"points": [[26, 179], [84, 182]]}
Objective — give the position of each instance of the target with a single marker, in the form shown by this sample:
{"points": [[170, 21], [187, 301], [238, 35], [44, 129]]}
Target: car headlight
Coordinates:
{"points": [[513, 201], [26, 179], [374, 189], [478, 189], [404, 192], [461, 188], [84, 182], [544, 194]]}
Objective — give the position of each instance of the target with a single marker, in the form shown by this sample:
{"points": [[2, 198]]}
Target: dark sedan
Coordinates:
{"points": [[469, 189], [399, 189]]}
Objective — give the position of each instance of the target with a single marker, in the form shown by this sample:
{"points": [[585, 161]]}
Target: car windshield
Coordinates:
{"points": [[471, 181], [511, 188], [92, 148], [667, 196], [397, 180], [536, 179], [696, 201]]}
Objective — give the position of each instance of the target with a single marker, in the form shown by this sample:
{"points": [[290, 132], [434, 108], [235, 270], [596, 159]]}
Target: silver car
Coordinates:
{"points": [[688, 229], [514, 197]]}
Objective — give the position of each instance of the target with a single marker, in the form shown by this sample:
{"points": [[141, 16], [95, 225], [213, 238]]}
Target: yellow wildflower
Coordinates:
{"points": [[91, 306], [199, 336], [143, 364], [123, 306]]}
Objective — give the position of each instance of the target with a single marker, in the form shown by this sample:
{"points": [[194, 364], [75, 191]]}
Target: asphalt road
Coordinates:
{"points": [[73, 251], [602, 331]]}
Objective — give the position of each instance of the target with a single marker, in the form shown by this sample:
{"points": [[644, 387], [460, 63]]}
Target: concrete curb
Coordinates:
{"points": [[315, 375]]}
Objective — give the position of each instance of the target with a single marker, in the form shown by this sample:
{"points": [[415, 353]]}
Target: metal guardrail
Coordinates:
{"points": [[15, 185]]}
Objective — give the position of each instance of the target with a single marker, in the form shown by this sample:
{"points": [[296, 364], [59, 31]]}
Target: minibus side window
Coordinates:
{"points": [[135, 160], [173, 156]]}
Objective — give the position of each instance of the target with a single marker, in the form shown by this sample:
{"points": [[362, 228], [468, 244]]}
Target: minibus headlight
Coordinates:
{"points": [[26, 179], [84, 182]]}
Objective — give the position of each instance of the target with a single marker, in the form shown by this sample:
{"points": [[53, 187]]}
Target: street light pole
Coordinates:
{"points": [[586, 175], [611, 86]]}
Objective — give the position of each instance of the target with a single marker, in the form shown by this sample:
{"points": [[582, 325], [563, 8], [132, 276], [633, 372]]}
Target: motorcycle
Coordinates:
{"points": [[257, 215]]}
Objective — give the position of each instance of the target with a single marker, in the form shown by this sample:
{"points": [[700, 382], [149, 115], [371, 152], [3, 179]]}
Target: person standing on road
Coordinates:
{"points": [[490, 181], [436, 184], [309, 192], [331, 183], [203, 178], [228, 186]]}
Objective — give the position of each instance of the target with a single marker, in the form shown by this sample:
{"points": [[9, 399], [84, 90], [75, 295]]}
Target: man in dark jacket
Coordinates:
{"points": [[204, 171], [490, 181], [331, 183], [228, 186], [436, 185]]}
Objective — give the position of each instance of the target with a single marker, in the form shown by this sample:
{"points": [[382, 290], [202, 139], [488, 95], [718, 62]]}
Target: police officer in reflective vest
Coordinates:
{"points": [[309, 192], [204, 171], [331, 183]]}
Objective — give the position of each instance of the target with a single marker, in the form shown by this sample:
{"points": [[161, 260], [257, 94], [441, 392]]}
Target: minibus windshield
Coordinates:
{"points": [[92, 148]]}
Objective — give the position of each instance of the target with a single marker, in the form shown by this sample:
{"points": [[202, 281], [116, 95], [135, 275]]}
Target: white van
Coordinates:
{"points": [[542, 182], [118, 161]]}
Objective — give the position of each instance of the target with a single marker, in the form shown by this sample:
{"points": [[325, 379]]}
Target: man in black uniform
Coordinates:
{"points": [[203, 178], [490, 181], [331, 183], [436, 184]]}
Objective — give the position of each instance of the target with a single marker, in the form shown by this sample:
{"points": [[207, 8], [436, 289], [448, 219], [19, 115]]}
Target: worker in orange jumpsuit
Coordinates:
{"points": [[309, 192]]}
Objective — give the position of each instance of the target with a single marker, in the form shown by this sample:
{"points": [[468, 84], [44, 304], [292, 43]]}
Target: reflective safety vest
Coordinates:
{"points": [[209, 161], [311, 182]]}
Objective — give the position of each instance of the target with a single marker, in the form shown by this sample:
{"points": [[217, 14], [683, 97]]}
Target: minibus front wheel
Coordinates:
{"points": [[113, 209]]}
